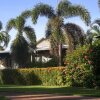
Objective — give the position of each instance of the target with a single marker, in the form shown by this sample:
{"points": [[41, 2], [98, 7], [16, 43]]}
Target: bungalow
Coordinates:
{"points": [[43, 50], [42, 53]]}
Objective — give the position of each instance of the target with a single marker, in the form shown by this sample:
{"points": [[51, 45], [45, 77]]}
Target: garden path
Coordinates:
{"points": [[30, 96]]}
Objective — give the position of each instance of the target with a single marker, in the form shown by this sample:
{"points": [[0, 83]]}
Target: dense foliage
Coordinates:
{"points": [[4, 38], [24, 41], [79, 68], [36, 76], [20, 51], [56, 27], [83, 67], [95, 57]]}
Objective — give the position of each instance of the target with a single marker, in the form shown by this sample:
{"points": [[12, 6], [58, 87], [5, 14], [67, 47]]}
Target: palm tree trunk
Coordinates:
{"points": [[60, 54]]}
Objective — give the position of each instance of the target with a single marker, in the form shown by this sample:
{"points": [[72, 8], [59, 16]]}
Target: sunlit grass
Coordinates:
{"points": [[51, 89]]}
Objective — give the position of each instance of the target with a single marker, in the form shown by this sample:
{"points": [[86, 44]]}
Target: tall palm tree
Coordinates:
{"points": [[65, 9], [4, 38], [20, 45]]}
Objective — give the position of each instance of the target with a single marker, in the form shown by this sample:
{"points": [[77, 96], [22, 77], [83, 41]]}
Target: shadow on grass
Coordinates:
{"points": [[49, 90], [9, 76]]}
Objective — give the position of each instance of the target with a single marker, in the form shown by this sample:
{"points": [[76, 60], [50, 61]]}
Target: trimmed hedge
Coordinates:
{"points": [[33, 76]]}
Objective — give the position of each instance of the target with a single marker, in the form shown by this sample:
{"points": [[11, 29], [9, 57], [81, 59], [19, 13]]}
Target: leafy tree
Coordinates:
{"points": [[76, 34], [65, 9], [4, 38], [20, 46]]}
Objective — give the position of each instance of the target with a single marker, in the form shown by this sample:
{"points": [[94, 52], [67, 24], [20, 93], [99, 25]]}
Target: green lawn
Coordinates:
{"points": [[3, 98], [52, 89]]}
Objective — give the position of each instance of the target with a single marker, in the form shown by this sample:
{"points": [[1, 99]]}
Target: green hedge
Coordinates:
{"points": [[33, 76]]}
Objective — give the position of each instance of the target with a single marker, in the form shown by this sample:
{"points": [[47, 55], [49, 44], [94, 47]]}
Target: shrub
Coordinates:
{"points": [[79, 68], [95, 58], [33, 76]]}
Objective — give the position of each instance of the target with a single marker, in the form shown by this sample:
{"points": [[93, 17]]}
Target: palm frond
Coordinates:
{"points": [[19, 23], [30, 35], [0, 25], [26, 14], [4, 38], [10, 24], [68, 10], [42, 10], [97, 21], [99, 3], [92, 33], [96, 29], [62, 6]]}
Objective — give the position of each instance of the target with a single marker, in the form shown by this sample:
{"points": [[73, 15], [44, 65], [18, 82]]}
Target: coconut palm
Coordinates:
{"points": [[20, 45], [4, 38], [65, 9]]}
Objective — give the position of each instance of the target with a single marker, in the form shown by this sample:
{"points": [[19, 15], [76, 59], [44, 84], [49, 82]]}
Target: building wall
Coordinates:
{"points": [[44, 43]]}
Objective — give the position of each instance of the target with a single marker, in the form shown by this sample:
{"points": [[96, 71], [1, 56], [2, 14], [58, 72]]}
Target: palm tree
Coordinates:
{"points": [[65, 9], [4, 38], [20, 46], [94, 32]]}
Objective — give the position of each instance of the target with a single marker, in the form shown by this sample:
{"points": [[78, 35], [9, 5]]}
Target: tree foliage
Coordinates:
{"points": [[55, 25], [93, 32], [4, 38], [21, 45]]}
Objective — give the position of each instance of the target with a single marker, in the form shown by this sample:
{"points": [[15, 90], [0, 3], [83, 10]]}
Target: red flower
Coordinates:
{"points": [[89, 62], [86, 57]]}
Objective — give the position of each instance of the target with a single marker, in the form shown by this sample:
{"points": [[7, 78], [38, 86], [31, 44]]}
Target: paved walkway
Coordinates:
{"points": [[30, 96], [50, 97]]}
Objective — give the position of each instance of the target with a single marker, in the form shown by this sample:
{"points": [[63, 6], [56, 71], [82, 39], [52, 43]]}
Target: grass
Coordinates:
{"points": [[52, 90], [3, 98]]}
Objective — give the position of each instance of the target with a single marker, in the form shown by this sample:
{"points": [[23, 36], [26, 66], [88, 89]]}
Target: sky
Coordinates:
{"points": [[12, 8]]}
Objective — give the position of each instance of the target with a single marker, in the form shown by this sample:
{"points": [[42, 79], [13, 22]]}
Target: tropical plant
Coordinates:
{"points": [[21, 45], [79, 67], [94, 32], [76, 34], [4, 38], [65, 9]]}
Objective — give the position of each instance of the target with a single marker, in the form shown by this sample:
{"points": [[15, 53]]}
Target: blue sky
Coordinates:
{"points": [[12, 8]]}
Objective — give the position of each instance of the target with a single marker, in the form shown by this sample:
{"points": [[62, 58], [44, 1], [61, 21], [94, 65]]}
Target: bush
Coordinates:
{"points": [[95, 58], [33, 76], [80, 68]]}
